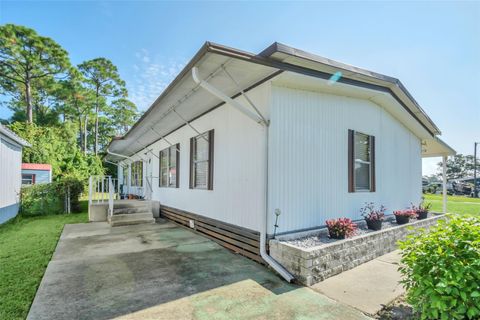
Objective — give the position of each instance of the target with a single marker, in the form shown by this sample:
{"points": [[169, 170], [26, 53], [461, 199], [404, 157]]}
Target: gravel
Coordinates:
{"points": [[322, 237]]}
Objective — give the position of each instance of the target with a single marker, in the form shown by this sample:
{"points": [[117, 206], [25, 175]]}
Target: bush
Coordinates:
{"points": [[441, 269], [341, 228], [49, 198]]}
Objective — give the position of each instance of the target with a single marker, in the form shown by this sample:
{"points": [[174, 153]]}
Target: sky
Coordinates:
{"points": [[432, 47]]}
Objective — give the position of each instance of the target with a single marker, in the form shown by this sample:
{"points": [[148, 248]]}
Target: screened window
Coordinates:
{"points": [[28, 178], [169, 167], [136, 177], [201, 161], [361, 162]]}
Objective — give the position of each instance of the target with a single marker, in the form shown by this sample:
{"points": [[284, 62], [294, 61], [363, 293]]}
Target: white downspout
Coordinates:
{"points": [[263, 233], [263, 228]]}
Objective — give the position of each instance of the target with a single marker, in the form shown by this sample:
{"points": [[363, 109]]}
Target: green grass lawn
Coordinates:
{"points": [[455, 204], [26, 246]]}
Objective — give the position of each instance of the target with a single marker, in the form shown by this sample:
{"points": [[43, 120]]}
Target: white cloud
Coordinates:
{"points": [[152, 74]]}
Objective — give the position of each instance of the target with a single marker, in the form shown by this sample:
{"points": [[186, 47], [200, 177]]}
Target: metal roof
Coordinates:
{"points": [[185, 97], [12, 136]]}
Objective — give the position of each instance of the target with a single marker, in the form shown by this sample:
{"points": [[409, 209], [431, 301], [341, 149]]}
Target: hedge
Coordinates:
{"points": [[49, 198], [441, 269]]}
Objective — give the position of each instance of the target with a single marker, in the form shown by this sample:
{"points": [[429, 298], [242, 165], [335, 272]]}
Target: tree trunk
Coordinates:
{"points": [[85, 132], [28, 100], [80, 129], [96, 124]]}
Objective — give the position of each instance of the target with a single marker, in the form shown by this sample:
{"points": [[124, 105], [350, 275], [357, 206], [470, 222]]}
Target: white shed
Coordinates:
{"points": [[238, 137], [10, 173]]}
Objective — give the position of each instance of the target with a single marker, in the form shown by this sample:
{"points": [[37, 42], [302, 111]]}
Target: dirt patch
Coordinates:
{"points": [[399, 309]]}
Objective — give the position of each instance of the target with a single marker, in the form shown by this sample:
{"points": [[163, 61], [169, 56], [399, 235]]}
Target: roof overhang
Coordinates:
{"points": [[436, 148], [249, 70], [13, 137], [189, 100]]}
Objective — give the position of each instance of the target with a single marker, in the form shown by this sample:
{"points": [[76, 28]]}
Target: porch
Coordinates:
{"points": [[107, 203]]}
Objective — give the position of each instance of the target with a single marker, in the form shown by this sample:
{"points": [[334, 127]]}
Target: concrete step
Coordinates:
{"points": [[117, 204], [131, 210], [131, 218]]}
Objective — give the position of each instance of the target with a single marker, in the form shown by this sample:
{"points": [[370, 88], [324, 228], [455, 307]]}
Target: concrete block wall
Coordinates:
{"points": [[312, 265]]}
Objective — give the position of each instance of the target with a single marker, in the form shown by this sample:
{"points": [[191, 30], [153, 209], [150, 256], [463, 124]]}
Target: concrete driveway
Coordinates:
{"points": [[162, 271]]}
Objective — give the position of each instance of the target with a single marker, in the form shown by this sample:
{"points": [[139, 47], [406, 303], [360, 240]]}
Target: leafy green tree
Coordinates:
{"points": [[57, 146], [124, 115], [459, 166], [103, 78], [76, 104], [25, 58]]}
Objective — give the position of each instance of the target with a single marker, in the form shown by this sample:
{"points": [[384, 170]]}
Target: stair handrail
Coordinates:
{"points": [[111, 194]]}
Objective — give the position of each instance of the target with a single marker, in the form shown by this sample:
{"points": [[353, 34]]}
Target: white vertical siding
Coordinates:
{"points": [[308, 177], [10, 178], [238, 194]]}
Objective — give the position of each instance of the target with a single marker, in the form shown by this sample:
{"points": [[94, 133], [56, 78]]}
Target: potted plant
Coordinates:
{"points": [[341, 228], [422, 210], [403, 216], [373, 217]]}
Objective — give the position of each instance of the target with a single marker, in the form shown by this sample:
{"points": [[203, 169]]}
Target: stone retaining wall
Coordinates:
{"points": [[315, 264]]}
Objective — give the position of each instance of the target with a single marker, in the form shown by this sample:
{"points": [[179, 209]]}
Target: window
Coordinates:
{"points": [[28, 178], [201, 161], [169, 167], [361, 162], [137, 174], [125, 175]]}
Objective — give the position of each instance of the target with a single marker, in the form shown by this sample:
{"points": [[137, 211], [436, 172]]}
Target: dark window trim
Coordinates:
{"points": [[33, 176], [211, 143], [351, 162], [177, 167]]}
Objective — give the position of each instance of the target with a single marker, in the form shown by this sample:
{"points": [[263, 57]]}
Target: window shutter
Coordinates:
{"points": [[192, 169], [351, 152], [177, 166], [372, 164], [211, 144]]}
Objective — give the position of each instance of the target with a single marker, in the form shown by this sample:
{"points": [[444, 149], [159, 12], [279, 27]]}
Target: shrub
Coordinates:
{"points": [[341, 228], [49, 198], [441, 269], [370, 213], [405, 213]]}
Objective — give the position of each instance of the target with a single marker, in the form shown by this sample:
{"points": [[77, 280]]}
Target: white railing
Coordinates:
{"points": [[103, 189]]}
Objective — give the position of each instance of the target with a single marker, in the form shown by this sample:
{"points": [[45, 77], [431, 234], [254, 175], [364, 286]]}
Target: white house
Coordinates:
{"points": [[10, 173], [238, 137]]}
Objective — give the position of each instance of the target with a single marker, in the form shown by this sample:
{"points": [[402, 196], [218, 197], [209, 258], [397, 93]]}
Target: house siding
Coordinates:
{"points": [[10, 168], [41, 176], [238, 195], [308, 158]]}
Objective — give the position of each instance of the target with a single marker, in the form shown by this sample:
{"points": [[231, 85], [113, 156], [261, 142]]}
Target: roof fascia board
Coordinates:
{"points": [[319, 74], [393, 82]]}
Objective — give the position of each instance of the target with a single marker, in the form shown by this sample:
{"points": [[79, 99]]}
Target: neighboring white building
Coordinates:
{"points": [[243, 136], [10, 173]]}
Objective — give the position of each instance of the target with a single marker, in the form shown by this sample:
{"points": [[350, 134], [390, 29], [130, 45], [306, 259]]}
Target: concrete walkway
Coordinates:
{"points": [[367, 287], [162, 271]]}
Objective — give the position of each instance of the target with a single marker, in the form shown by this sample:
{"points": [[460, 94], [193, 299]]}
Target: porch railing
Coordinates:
{"points": [[103, 189]]}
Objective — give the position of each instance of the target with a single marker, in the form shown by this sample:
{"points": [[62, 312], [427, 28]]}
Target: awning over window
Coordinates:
{"points": [[436, 148]]}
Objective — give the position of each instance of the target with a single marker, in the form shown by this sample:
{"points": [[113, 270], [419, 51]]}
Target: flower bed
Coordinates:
{"points": [[313, 256]]}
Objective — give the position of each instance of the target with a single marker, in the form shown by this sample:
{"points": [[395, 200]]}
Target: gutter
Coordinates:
{"points": [[263, 228]]}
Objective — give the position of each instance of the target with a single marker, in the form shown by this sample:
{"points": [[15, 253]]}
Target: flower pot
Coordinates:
{"points": [[374, 224], [335, 236], [422, 215], [402, 219]]}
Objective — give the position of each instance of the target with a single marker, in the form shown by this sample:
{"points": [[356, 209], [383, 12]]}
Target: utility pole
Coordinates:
{"points": [[475, 192]]}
